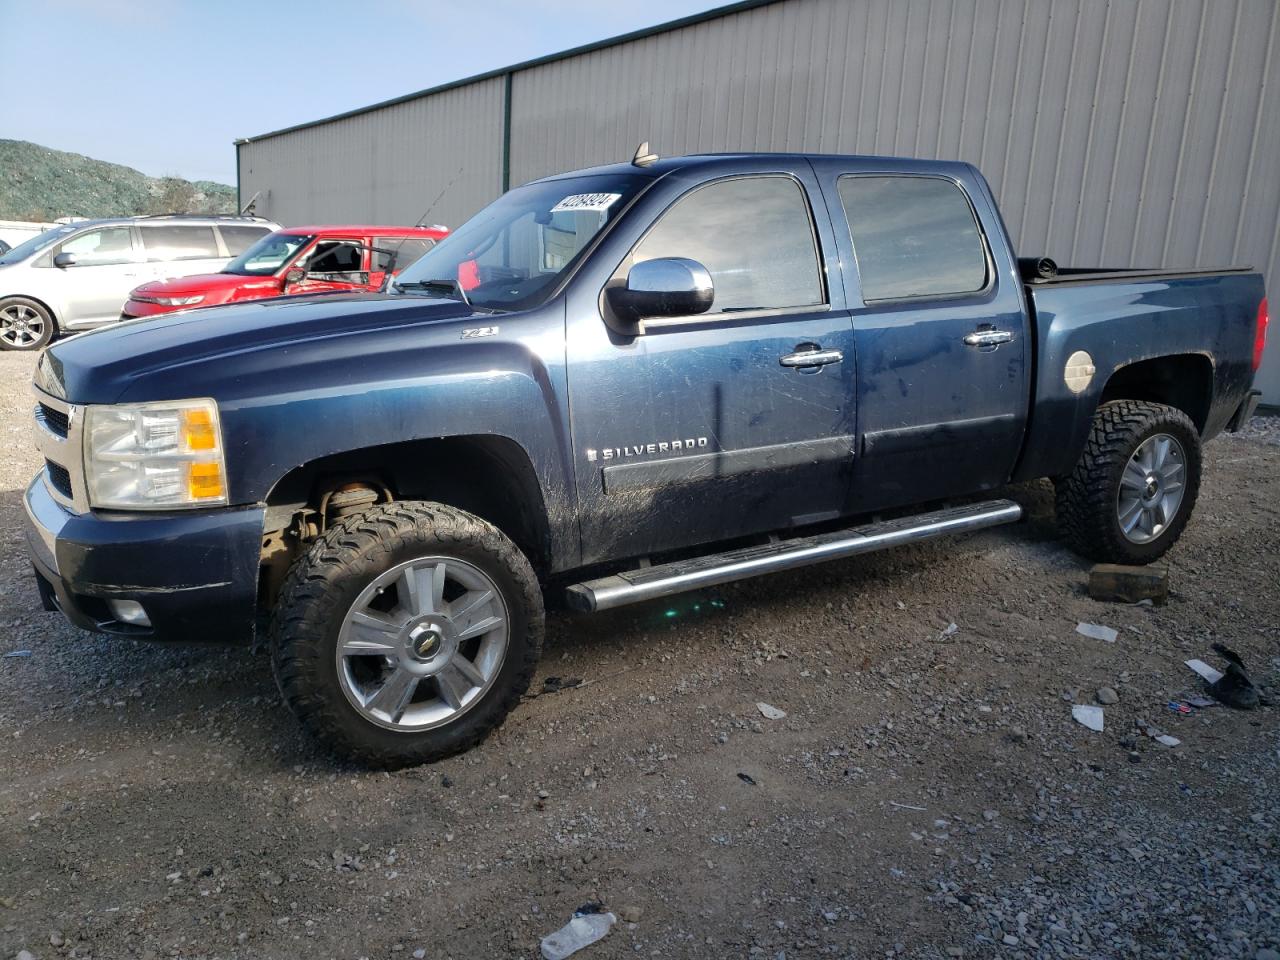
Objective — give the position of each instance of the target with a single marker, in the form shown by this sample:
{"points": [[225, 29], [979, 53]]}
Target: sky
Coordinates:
{"points": [[166, 86]]}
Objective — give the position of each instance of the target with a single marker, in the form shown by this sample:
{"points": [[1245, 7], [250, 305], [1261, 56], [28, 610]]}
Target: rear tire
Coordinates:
{"points": [[24, 324], [406, 633], [1133, 489]]}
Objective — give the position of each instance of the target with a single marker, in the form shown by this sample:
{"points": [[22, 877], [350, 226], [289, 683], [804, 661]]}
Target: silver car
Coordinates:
{"points": [[78, 276]]}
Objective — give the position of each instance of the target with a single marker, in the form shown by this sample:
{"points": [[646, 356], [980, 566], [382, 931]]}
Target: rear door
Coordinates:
{"points": [[107, 267], [180, 249], [940, 328], [707, 427]]}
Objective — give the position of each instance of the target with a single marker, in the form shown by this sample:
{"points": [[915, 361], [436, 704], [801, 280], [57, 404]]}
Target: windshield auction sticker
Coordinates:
{"points": [[586, 201]]}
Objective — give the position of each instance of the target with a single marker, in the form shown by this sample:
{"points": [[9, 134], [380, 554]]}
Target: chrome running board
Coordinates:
{"points": [[648, 583]]}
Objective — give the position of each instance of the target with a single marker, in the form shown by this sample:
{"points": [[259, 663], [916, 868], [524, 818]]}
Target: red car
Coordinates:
{"points": [[292, 261]]}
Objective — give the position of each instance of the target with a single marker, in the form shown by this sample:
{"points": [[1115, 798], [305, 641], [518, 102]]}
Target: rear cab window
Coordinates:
{"points": [[167, 242], [913, 236], [755, 236], [396, 253]]}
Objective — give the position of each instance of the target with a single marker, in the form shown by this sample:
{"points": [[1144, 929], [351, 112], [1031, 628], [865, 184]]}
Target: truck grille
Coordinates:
{"points": [[55, 420], [59, 427], [59, 478]]}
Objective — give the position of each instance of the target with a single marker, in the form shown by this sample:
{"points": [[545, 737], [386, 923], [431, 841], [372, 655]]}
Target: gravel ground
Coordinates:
{"points": [[927, 794]]}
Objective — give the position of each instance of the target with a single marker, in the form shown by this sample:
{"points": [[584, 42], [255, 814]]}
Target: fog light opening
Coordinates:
{"points": [[130, 612]]}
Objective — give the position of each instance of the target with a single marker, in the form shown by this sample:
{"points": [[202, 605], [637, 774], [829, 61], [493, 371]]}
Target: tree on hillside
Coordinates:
{"points": [[174, 196]]}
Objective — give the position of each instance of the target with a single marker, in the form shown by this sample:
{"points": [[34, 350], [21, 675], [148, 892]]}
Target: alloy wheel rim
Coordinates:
{"points": [[20, 326], [1152, 488], [422, 644]]}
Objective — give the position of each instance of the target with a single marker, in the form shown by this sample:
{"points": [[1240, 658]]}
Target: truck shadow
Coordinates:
{"points": [[138, 691]]}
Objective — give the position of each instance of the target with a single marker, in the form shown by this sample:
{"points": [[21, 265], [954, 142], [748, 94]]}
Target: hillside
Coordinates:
{"points": [[37, 183]]}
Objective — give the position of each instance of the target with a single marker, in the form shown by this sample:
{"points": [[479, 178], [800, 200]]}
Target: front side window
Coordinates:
{"points": [[100, 247], [913, 237], [174, 242], [35, 244], [268, 255], [335, 258], [515, 253], [754, 236], [396, 253]]}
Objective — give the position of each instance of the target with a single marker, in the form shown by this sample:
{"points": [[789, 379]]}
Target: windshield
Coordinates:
{"points": [[37, 243], [513, 254], [268, 255]]}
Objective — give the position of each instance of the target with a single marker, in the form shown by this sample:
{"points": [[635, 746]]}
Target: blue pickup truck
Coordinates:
{"points": [[617, 384]]}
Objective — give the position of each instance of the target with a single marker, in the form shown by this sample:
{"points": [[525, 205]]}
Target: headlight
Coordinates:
{"points": [[157, 456], [170, 301]]}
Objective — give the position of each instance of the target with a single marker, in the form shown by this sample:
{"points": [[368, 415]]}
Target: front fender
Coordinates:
{"points": [[283, 408]]}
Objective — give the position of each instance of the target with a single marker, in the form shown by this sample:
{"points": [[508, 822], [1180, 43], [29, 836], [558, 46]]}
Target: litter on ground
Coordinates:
{"points": [[590, 922], [1096, 631], [770, 712], [1090, 716], [1205, 671]]}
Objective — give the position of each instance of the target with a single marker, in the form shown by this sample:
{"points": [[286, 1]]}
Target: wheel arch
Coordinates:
{"points": [[488, 475], [43, 303], [1183, 381]]}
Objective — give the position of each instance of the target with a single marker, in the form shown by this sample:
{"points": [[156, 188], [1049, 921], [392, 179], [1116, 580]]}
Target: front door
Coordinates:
{"points": [[333, 265], [941, 334], [728, 423], [106, 268]]}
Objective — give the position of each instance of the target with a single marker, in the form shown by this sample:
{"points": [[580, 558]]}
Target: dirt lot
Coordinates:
{"points": [[927, 794]]}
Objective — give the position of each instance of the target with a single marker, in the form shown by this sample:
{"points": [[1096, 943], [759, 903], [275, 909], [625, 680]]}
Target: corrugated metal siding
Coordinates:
{"points": [[1142, 132], [387, 166]]}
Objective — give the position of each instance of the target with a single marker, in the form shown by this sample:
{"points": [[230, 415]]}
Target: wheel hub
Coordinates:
{"points": [[1151, 488], [422, 643], [429, 640]]}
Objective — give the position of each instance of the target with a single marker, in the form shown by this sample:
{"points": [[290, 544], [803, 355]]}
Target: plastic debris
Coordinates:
{"points": [[1234, 689], [1096, 631], [747, 779], [1201, 702], [1205, 671], [770, 712], [590, 922], [950, 631], [1090, 716], [1180, 708], [1156, 734], [16, 653]]}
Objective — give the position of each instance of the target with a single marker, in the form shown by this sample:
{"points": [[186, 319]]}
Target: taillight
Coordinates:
{"points": [[1260, 335]]}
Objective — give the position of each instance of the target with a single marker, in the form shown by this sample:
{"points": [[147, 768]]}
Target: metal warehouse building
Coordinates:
{"points": [[1114, 132]]}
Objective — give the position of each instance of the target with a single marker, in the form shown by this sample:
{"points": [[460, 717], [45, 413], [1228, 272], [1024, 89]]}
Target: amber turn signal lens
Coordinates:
{"points": [[204, 481], [197, 430]]}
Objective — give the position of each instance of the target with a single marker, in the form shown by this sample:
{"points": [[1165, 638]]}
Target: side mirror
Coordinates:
{"points": [[294, 275], [666, 287], [65, 260]]}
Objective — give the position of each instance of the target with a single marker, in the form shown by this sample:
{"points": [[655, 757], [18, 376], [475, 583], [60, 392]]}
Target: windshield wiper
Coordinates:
{"points": [[450, 288]]}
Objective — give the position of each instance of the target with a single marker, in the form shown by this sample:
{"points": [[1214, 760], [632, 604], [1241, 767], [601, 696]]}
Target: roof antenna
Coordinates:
{"points": [[643, 157]]}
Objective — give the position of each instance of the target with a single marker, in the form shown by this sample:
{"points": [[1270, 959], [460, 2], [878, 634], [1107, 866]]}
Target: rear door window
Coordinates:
{"points": [[165, 242], [239, 238], [755, 237], [405, 250], [913, 237], [101, 247]]}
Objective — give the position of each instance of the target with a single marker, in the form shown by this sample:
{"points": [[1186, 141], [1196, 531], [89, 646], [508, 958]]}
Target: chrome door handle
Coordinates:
{"points": [[811, 358], [987, 338]]}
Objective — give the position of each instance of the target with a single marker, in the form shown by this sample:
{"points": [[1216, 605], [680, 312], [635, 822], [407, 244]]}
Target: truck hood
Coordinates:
{"points": [[216, 286], [152, 358]]}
